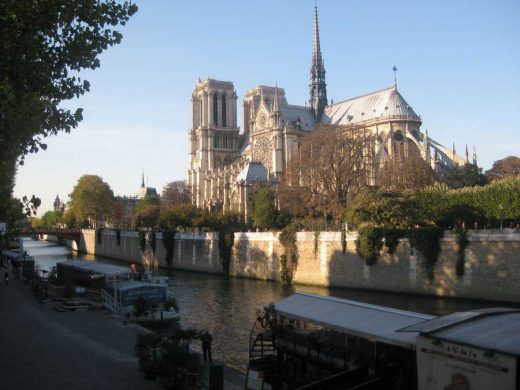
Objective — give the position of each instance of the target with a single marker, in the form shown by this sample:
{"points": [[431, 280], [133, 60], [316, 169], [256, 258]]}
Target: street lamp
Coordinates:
{"points": [[501, 208]]}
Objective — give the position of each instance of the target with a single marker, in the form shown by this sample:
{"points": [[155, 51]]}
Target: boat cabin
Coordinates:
{"points": [[477, 350], [308, 341], [91, 273], [127, 292]]}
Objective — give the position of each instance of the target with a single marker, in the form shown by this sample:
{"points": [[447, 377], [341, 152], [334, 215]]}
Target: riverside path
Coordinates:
{"points": [[44, 349]]}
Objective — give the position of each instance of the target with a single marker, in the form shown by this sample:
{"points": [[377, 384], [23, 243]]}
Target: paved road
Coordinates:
{"points": [[44, 349]]}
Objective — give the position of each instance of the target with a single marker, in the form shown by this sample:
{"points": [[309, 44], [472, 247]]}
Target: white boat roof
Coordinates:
{"points": [[96, 267], [376, 323], [495, 329]]}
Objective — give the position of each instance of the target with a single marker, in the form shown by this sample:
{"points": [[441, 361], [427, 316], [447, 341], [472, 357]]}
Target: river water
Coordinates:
{"points": [[227, 307]]}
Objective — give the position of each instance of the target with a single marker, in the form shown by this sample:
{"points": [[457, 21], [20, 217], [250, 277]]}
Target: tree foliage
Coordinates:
{"points": [[487, 204], [147, 216], [175, 193], [183, 215], [264, 213], [509, 166], [147, 201], [328, 165], [51, 218], [69, 218], [92, 200], [409, 172], [383, 208], [44, 45], [467, 175]]}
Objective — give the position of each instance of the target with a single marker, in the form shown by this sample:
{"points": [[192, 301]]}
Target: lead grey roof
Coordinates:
{"points": [[496, 329], [384, 103], [290, 114], [376, 323], [253, 172], [96, 267]]}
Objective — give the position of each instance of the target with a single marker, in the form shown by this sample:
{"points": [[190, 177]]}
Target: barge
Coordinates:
{"points": [[133, 296], [308, 341]]}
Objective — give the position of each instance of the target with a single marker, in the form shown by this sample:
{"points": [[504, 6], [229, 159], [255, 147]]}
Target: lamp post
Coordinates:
{"points": [[501, 208]]}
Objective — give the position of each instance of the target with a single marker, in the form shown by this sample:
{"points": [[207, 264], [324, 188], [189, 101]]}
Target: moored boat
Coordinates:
{"points": [[145, 300]]}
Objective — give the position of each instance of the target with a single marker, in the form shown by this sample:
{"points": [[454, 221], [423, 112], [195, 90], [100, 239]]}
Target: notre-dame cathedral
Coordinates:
{"points": [[226, 164]]}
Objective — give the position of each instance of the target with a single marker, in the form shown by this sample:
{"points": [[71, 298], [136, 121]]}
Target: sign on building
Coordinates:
{"points": [[449, 366]]}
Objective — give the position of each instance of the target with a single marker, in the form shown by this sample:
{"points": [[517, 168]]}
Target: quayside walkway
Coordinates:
{"points": [[44, 349]]}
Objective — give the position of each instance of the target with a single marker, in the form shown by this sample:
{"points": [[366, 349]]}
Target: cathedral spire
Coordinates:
{"points": [[142, 179], [474, 156], [276, 103], [318, 87], [467, 154]]}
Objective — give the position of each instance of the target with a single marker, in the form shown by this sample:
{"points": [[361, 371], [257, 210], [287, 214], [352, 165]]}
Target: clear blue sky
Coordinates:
{"points": [[458, 61]]}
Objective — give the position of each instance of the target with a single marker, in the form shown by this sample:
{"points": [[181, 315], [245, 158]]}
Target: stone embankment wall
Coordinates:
{"points": [[192, 251], [491, 270]]}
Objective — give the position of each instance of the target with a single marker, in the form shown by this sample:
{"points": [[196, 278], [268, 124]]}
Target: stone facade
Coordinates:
{"points": [[492, 266]]}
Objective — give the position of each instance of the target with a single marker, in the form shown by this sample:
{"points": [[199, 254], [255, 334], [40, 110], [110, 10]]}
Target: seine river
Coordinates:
{"points": [[227, 306]]}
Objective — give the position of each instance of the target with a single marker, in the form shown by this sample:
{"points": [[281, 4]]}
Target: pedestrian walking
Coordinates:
{"points": [[6, 278], [206, 346]]}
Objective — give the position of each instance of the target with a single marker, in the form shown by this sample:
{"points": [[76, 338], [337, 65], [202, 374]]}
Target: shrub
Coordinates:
{"points": [[153, 241], [289, 259], [369, 243], [426, 240], [168, 238], [142, 240], [463, 242]]}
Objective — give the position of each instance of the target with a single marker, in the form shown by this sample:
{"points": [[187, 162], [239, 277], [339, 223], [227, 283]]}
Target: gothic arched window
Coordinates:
{"points": [[215, 109], [223, 110], [200, 113]]}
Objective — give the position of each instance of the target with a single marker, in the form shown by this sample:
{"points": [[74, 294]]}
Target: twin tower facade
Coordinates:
{"points": [[228, 163]]}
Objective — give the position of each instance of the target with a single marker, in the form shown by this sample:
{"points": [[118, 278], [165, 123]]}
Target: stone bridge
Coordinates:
{"points": [[66, 234]]}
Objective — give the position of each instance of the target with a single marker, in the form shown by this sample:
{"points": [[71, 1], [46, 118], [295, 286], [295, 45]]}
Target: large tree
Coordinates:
{"points": [[329, 164], [44, 45], [174, 193], [264, 213], [409, 172], [467, 175], [509, 166], [92, 200], [147, 212]]}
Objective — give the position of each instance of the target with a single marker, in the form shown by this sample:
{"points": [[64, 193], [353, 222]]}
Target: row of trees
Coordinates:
{"points": [[328, 179], [439, 205], [44, 46], [92, 201]]}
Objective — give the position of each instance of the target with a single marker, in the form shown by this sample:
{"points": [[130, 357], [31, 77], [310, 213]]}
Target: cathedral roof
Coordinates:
{"points": [[384, 103], [291, 114], [253, 172]]}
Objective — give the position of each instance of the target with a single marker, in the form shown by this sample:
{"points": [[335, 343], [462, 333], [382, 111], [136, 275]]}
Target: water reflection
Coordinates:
{"points": [[227, 306]]}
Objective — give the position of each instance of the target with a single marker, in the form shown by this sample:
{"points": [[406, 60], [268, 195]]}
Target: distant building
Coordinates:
{"points": [[59, 205], [226, 164], [126, 205], [146, 191]]}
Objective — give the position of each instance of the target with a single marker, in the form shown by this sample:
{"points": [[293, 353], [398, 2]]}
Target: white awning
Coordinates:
{"points": [[376, 323], [96, 267]]}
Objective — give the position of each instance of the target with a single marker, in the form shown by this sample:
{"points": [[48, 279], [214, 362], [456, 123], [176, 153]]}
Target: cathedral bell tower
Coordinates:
{"points": [[318, 87], [213, 135]]}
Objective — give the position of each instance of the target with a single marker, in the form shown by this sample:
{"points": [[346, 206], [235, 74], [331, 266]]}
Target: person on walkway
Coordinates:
{"points": [[6, 278], [206, 346]]}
